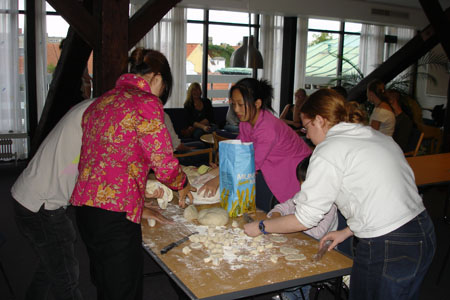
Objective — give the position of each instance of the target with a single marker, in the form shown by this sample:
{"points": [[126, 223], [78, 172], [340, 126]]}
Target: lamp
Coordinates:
{"points": [[247, 56]]}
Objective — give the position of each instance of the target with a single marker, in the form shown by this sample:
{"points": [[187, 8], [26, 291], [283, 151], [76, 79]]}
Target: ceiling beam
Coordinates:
{"points": [[79, 18], [146, 17]]}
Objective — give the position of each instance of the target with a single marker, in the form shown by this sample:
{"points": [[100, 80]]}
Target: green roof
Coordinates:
{"points": [[321, 58]]}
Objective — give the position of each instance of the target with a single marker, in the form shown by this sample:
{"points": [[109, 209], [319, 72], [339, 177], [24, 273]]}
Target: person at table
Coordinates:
{"points": [[123, 138], [382, 117], [403, 123], [232, 121], [180, 147], [200, 114], [365, 173], [278, 149], [327, 224], [291, 112]]}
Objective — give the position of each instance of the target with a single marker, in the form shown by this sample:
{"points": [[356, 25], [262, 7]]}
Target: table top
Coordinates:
{"points": [[242, 273], [430, 169], [207, 138]]}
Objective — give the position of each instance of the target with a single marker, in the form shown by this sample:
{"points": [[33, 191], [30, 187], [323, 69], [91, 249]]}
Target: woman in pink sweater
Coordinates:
{"points": [[278, 149]]}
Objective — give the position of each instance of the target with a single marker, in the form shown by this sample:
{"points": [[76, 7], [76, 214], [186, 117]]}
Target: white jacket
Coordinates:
{"points": [[366, 174]]}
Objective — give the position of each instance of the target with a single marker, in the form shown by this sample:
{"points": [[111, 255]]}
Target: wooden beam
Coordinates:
{"points": [[111, 54], [288, 61], [65, 88], [441, 26], [399, 61], [79, 18], [30, 42], [146, 17]]}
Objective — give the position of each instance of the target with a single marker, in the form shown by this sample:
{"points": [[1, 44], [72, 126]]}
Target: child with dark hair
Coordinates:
{"points": [[278, 149]]}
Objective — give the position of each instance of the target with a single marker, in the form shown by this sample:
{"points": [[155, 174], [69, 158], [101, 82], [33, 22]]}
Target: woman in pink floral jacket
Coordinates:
{"points": [[124, 136]]}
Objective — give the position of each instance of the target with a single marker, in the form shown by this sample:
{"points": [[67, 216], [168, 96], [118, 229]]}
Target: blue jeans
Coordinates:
{"points": [[393, 266], [294, 293], [52, 235]]}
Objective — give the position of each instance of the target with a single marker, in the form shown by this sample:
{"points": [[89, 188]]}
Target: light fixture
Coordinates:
{"points": [[247, 56]]}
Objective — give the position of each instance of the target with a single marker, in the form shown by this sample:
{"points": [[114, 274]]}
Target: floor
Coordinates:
{"points": [[19, 261]]}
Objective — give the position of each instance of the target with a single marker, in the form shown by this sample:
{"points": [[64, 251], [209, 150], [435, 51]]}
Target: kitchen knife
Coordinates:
{"points": [[177, 243], [318, 256], [247, 218]]}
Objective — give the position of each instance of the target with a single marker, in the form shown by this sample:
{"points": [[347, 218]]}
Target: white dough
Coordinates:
{"points": [[151, 222], [274, 259], [186, 250], [234, 224], [292, 257], [213, 216], [278, 239], [288, 250], [196, 245], [153, 185], [190, 213]]}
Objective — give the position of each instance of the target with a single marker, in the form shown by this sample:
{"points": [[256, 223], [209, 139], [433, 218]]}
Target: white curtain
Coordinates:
{"points": [[169, 37], [12, 84], [271, 47], [301, 50], [404, 35], [371, 48], [41, 55]]}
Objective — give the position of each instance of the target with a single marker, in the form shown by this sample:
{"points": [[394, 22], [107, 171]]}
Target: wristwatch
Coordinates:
{"points": [[262, 227]]}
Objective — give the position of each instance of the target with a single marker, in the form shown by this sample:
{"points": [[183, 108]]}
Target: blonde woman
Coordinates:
{"points": [[200, 114]]}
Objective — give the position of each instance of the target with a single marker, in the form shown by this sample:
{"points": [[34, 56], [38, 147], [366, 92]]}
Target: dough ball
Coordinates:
{"points": [[213, 216], [293, 257], [288, 250], [235, 224], [151, 222], [278, 239], [190, 213]]}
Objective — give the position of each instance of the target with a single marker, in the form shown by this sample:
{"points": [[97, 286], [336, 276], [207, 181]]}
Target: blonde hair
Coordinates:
{"points": [[189, 101], [332, 106]]}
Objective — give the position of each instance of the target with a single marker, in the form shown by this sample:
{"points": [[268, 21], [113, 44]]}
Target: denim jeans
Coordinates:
{"points": [[393, 266], [52, 235], [295, 294]]}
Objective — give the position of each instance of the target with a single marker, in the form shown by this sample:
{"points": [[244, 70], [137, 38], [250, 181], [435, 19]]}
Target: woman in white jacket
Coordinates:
{"points": [[366, 175]]}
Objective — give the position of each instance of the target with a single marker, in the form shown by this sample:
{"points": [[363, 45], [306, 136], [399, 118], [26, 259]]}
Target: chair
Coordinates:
{"points": [[208, 151], [416, 136], [217, 138]]}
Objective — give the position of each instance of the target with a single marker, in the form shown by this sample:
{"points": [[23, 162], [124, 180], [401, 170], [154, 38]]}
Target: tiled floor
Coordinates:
{"points": [[19, 260]]}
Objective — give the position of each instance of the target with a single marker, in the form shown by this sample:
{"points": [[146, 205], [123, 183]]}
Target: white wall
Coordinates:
{"points": [[348, 10]]}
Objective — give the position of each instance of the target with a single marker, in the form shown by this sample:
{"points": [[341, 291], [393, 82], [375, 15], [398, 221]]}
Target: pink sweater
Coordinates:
{"points": [[278, 150], [123, 137]]}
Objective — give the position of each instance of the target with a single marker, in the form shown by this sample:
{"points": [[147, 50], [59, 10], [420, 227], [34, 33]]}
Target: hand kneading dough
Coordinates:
{"points": [[190, 213], [213, 216], [153, 185]]}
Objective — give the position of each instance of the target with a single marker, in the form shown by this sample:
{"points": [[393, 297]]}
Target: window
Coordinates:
{"points": [[333, 51], [225, 34]]}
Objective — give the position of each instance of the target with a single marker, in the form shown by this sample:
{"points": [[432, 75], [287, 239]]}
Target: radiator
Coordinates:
{"points": [[6, 149]]}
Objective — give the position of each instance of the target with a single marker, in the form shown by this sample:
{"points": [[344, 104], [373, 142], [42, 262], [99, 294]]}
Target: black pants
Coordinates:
{"points": [[114, 248]]}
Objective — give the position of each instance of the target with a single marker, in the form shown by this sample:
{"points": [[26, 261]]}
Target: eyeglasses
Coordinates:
{"points": [[304, 129]]}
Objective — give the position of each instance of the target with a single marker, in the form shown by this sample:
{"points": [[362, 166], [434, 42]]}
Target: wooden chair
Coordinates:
{"points": [[208, 151], [217, 139], [416, 149]]}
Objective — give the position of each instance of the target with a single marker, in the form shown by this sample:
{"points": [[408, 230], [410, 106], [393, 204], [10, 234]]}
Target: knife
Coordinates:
{"points": [[247, 218], [177, 243], [318, 256]]}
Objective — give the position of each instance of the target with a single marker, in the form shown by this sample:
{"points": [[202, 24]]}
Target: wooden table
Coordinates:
{"points": [[431, 170], [236, 277]]}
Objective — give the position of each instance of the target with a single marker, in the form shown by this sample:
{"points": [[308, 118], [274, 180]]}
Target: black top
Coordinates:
{"points": [[194, 115], [402, 132]]}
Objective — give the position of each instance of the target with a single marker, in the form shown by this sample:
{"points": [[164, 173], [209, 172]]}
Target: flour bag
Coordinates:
{"points": [[237, 177]]}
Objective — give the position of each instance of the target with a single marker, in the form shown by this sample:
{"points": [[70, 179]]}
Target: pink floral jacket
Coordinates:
{"points": [[124, 135]]}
